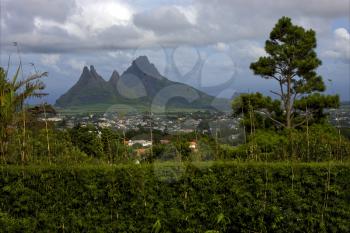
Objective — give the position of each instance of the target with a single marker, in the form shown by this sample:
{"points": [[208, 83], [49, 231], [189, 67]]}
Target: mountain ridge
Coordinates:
{"points": [[141, 83]]}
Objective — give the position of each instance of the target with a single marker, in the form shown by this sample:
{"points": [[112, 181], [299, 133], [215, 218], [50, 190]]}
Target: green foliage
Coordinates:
{"points": [[345, 132], [219, 197], [291, 52], [105, 144], [315, 104], [292, 61], [156, 227], [247, 104], [62, 149], [87, 140], [143, 133], [294, 126], [13, 94], [317, 143]]}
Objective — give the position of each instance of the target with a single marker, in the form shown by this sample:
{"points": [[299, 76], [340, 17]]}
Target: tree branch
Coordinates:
{"points": [[268, 116], [276, 78], [300, 123], [308, 114], [273, 92]]}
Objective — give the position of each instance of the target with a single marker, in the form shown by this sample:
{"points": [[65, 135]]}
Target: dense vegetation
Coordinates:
{"points": [[199, 197], [293, 125], [94, 146]]}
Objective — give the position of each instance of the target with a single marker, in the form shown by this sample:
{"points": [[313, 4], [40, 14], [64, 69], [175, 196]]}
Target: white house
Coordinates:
{"points": [[144, 143]]}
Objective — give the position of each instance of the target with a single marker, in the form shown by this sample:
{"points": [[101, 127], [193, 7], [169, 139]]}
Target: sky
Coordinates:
{"points": [[208, 44]]}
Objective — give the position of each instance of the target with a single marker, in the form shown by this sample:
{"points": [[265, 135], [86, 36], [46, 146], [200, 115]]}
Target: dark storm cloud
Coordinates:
{"points": [[57, 10], [19, 15], [61, 25]]}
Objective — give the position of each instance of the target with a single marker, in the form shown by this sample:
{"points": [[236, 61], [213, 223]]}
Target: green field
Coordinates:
{"points": [[120, 108]]}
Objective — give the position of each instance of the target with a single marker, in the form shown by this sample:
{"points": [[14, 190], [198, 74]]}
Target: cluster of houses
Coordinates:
{"points": [[172, 125], [145, 145], [148, 143], [341, 117], [182, 123], [134, 122], [217, 124]]}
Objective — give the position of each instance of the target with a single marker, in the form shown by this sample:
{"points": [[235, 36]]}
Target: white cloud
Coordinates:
{"points": [[91, 18], [164, 19], [246, 49], [76, 64], [221, 46], [119, 54], [341, 45], [95, 16], [190, 12], [252, 50], [50, 59], [342, 34]]}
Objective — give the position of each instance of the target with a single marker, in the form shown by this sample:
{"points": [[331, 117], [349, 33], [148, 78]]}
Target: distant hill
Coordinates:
{"points": [[141, 84]]}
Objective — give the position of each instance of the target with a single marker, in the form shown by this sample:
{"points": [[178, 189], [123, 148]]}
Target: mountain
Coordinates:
{"points": [[91, 88], [114, 79], [141, 83]]}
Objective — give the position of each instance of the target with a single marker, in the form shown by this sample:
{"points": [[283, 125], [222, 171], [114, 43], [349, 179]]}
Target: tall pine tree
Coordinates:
{"points": [[292, 61]]}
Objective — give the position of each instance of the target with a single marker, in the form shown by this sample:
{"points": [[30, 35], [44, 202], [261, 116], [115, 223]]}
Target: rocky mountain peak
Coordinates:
{"points": [[113, 80], [141, 75], [143, 65]]}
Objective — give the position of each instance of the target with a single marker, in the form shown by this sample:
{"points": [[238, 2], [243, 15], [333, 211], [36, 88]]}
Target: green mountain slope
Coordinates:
{"points": [[140, 84]]}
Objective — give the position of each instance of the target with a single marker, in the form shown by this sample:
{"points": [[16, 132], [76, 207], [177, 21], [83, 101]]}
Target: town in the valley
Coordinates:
{"points": [[223, 127]]}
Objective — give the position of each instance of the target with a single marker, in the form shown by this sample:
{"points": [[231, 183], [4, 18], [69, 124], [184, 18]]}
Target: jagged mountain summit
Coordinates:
{"points": [[140, 83], [113, 80], [90, 88]]}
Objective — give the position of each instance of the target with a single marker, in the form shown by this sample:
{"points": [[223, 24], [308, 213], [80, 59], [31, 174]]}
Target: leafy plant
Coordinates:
{"points": [[13, 94], [221, 197]]}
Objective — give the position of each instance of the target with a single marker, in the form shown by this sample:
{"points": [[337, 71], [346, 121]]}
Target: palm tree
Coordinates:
{"points": [[13, 94]]}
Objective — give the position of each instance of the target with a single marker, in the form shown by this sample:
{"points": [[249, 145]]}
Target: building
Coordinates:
{"points": [[143, 143]]}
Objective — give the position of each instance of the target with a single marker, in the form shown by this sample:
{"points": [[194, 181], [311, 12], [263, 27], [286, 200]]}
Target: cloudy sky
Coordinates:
{"points": [[206, 43]]}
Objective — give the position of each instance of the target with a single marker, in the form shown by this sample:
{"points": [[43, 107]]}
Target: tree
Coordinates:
{"points": [[292, 61], [13, 94], [87, 139], [249, 104]]}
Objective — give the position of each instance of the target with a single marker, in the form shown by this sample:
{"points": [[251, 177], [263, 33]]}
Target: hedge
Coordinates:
{"points": [[174, 197]]}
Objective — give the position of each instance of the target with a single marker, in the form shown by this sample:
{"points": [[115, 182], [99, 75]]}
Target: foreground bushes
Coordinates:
{"points": [[317, 143], [226, 197]]}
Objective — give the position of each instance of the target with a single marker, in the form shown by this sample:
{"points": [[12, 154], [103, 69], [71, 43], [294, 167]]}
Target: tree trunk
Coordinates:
{"points": [[288, 106], [288, 117]]}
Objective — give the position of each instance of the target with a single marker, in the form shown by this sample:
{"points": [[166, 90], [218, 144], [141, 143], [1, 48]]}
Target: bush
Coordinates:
{"points": [[318, 143], [221, 197]]}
